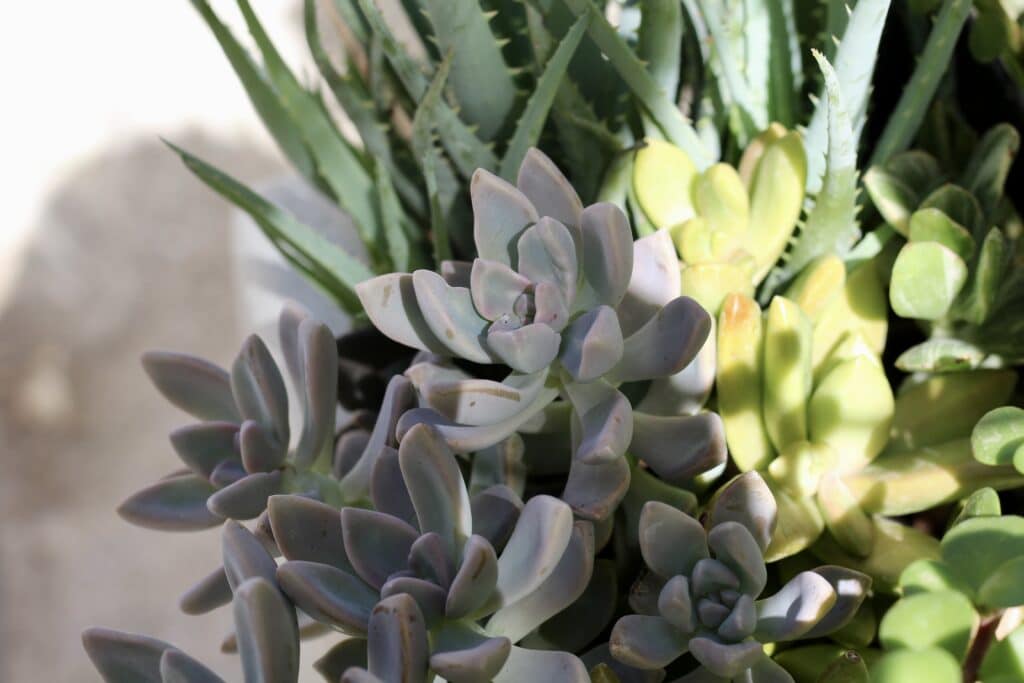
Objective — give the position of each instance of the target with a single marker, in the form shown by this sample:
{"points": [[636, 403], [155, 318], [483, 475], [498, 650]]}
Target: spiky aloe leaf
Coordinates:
{"points": [[660, 39], [785, 76], [904, 123], [854, 64], [659, 106], [531, 122], [326, 263], [481, 80], [831, 226]]}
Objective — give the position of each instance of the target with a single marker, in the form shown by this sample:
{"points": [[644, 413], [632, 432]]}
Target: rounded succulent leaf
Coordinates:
{"points": [[205, 445], [998, 436], [527, 349], [259, 390], [646, 642], [592, 345], [247, 497], [795, 609], [926, 279], [749, 501], [397, 640], [268, 634], [500, 214], [931, 664], [942, 619], [671, 541], [475, 581], [725, 659]]}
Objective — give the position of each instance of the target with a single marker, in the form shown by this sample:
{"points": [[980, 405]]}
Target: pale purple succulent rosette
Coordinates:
{"points": [[701, 595], [563, 296]]}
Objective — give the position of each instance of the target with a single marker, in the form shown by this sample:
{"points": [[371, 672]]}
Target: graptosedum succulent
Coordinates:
{"points": [[563, 296], [702, 595]]}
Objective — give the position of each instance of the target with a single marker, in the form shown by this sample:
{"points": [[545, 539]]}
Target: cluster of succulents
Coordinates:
{"points": [[656, 373]]}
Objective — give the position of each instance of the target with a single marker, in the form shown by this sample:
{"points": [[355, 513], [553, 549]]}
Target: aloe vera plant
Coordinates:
{"points": [[626, 319]]}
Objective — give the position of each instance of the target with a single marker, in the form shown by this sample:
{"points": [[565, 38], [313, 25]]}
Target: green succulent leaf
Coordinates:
{"points": [[998, 436], [926, 279], [943, 619]]}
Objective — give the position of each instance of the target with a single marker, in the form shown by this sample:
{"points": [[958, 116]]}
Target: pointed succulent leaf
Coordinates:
{"points": [[398, 648], [654, 280], [328, 594], [592, 344], [198, 387], [178, 503], [481, 401], [725, 659], [495, 511], [500, 214], [495, 287], [475, 581], [357, 675], [428, 596], [205, 445], [377, 545], [260, 451], [306, 529], [666, 343], [594, 491], [733, 546], [749, 501], [676, 605], [776, 196], [711, 576], [527, 349], [388, 491], [541, 536], [607, 255], [450, 314], [671, 541], [787, 372], [678, 448], [178, 667], [268, 634], [259, 390], [742, 620], [550, 306], [647, 642], [606, 422], [345, 655], [846, 520], [390, 302], [319, 366], [547, 253], [548, 190], [209, 593], [428, 558], [435, 485], [120, 656], [562, 587], [926, 279], [795, 609], [247, 497]]}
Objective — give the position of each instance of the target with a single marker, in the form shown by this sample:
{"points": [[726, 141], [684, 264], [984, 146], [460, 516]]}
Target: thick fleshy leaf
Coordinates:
{"points": [[646, 642], [495, 288], [357, 675], [550, 306], [851, 589], [475, 580], [942, 619], [347, 450], [595, 490], [540, 538], [428, 596], [499, 464], [681, 447], [450, 314], [592, 344], [977, 550], [391, 304], [349, 653], [580, 623], [377, 545], [934, 665], [710, 576], [548, 190], [998, 436], [653, 283], [174, 504], [926, 279], [205, 445], [527, 349], [495, 512], [247, 497], [319, 387], [120, 656], [429, 559], [209, 593], [198, 387], [547, 253], [178, 667], [388, 490], [481, 662], [787, 372], [500, 214], [259, 390], [541, 666], [676, 604], [566, 583], [435, 485], [268, 634], [605, 420], [607, 255], [671, 541], [795, 609], [725, 659], [685, 392], [398, 648], [306, 529], [328, 594], [741, 622], [482, 401], [260, 451], [666, 343], [244, 556], [733, 546], [749, 501]]}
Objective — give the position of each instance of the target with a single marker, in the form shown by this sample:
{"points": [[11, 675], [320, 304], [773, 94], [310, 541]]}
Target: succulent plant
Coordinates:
{"points": [[563, 296], [702, 594]]}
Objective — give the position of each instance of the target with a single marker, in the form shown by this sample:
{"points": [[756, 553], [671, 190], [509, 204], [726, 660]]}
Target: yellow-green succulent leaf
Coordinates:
{"points": [[926, 279], [693, 241], [798, 525], [862, 308], [849, 525], [663, 176], [710, 283], [776, 197], [800, 465], [755, 150], [720, 197], [851, 345], [787, 372], [817, 285]]}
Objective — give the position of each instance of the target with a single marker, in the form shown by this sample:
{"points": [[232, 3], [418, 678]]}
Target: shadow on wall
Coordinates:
{"points": [[130, 253]]}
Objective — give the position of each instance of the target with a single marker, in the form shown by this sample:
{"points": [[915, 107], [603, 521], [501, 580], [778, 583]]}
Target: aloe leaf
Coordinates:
{"points": [[175, 504], [531, 121], [659, 41], [831, 226], [197, 386], [932, 65], [854, 63], [335, 270], [657, 103]]}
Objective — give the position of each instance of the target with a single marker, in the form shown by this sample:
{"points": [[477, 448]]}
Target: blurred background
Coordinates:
{"points": [[108, 247]]}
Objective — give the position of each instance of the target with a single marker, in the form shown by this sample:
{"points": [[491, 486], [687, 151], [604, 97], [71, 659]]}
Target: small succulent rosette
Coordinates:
{"points": [[238, 454], [563, 296], [702, 593], [425, 583]]}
